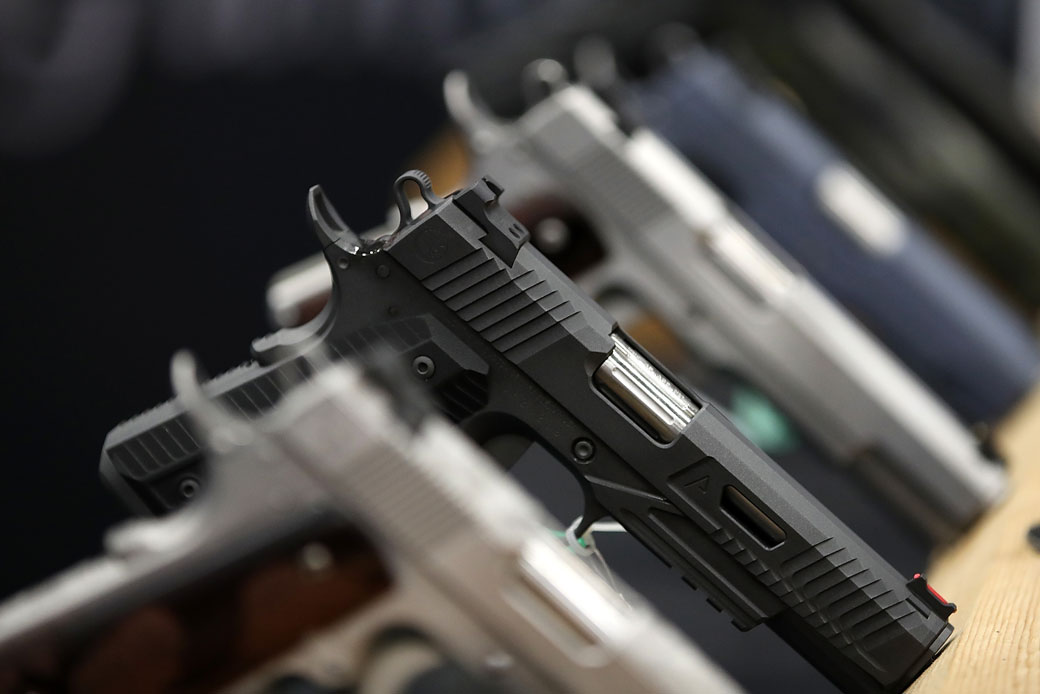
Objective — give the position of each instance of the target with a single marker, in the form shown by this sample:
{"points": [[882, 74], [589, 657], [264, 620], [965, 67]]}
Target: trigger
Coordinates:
{"points": [[593, 512]]}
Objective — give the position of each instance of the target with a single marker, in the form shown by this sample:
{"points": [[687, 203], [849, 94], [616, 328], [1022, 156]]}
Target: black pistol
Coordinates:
{"points": [[514, 353]]}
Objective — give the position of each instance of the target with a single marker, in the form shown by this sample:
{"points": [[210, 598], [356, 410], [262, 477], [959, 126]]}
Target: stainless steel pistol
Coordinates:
{"points": [[471, 564], [675, 246]]}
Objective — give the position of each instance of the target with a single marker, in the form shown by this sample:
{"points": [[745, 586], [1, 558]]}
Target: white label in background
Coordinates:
{"points": [[861, 209]]}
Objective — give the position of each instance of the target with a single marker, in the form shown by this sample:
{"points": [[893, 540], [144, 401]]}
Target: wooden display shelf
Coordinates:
{"points": [[993, 574]]}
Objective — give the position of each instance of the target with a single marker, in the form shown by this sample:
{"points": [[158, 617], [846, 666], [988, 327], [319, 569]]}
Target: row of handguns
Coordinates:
{"points": [[695, 196]]}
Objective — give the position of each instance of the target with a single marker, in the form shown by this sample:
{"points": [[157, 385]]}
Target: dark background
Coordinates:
{"points": [[160, 231]]}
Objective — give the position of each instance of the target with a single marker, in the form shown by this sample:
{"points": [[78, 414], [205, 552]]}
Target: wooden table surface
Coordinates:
{"points": [[993, 574]]}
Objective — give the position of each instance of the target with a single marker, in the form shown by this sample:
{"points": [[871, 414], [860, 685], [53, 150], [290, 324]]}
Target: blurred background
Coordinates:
{"points": [[155, 155]]}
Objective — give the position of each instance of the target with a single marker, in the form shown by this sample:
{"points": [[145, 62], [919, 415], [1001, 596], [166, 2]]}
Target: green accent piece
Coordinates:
{"points": [[761, 421], [561, 534]]}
